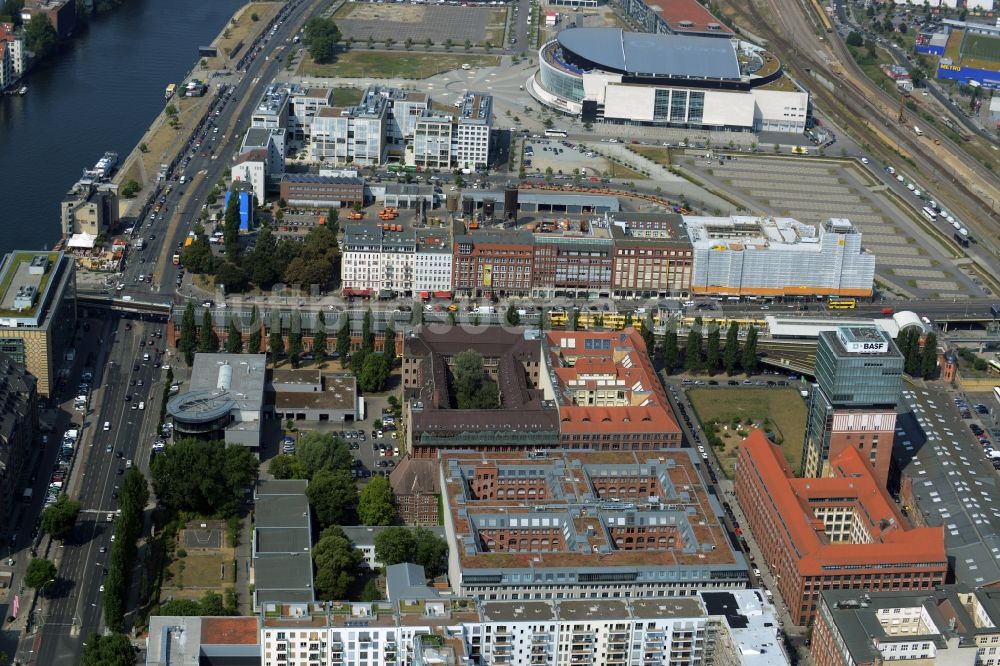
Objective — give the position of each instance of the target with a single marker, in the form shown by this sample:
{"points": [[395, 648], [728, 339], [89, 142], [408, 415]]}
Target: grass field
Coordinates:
{"points": [[359, 64], [981, 47], [730, 412], [657, 154]]}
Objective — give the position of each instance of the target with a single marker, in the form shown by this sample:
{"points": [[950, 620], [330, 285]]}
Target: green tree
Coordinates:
{"points": [[337, 562], [287, 466], [371, 590], [275, 341], [929, 357], [39, 36], [180, 608], [207, 340], [374, 373], [320, 37], [319, 451], [344, 340], [648, 336], [367, 334], [40, 572], [513, 318], [198, 256], [418, 545], [253, 342], [231, 227], [712, 350], [669, 352], [473, 389], [59, 518], [749, 361], [692, 348], [295, 339], [389, 342], [108, 650], [375, 505], [855, 39], [189, 334], [234, 337], [262, 259], [334, 498], [130, 188], [731, 354], [223, 474], [232, 277], [319, 337]]}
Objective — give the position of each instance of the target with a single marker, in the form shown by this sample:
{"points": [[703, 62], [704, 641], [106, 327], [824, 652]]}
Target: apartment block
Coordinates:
{"points": [[744, 255], [377, 260], [472, 136], [37, 312], [492, 261], [432, 262], [947, 625], [842, 531], [11, 55], [859, 374], [606, 391], [653, 257], [405, 109], [583, 525], [353, 134], [304, 104], [90, 208], [433, 135]]}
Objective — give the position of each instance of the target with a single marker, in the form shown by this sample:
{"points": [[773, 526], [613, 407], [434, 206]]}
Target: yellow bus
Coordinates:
{"points": [[841, 304]]}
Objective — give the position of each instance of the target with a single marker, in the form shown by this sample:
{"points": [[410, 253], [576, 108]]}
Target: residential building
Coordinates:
{"points": [[415, 491], [18, 431], [6, 66], [744, 255], [37, 312], [15, 48], [60, 13], [251, 167], [205, 641], [572, 258], [472, 136], [723, 628], [377, 260], [432, 262], [947, 625], [282, 567], [353, 134], [433, 136], [304, 104], [842, 531], [224, 400], [405, 109], [606, 391], [272, 110], [89, 208], [859, 373], [565, 524], [653, 257], [512, 359], [313, 395], [307, 189], [492, 262]]}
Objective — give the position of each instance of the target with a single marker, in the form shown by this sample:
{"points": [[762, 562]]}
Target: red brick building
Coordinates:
{"points": [[653, 256], [837, 532], [493, 262], [61, 14]]}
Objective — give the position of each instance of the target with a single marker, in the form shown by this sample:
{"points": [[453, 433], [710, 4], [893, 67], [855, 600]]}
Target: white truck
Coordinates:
{"points": [[139, 243], [485, 309]]}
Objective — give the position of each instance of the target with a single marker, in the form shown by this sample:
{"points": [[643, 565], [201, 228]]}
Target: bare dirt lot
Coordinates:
{"points": [[382, 21]]}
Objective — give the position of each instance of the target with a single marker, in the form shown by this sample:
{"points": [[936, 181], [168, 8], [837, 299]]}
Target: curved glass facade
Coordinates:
{"points": [[557, 82]]}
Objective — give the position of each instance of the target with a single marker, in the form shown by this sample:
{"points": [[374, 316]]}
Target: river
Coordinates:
{"points": [[100, 93]]}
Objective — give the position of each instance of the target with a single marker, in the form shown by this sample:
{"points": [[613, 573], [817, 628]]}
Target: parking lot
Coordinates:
{"points": [[382, 21]]}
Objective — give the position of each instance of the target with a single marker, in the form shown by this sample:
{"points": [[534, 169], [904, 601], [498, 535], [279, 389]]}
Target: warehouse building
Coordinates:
{"points": [[746, 255], [609, 75], [312, 190]]}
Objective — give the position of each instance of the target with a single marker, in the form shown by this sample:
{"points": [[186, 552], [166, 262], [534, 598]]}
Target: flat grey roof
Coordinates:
{"points": [[653, 55], [279, 540], [281, 511], [520, 611], [284, 572], [281, 487], [407, 581]]}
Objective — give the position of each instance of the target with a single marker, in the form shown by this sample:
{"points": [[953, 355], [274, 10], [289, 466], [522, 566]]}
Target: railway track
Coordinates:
{"points": [[856, 98]]}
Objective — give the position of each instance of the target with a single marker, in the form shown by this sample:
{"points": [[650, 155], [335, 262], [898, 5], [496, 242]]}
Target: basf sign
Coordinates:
{"points": [[866, 347]]}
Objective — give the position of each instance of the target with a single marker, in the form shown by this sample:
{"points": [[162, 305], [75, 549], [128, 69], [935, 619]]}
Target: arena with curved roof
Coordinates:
{"points": [[610, 75]]}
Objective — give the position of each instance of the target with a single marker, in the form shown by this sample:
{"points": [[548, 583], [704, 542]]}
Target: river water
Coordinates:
{"points": [[100, 93]]}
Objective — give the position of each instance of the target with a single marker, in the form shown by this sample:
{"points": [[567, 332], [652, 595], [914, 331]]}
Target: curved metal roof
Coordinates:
{"points": [[653, 55], [201, 406]]}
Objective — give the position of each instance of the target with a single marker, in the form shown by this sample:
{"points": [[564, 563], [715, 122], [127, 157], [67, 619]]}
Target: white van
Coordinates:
{"points": [[142, 405], [107, 426], [145, 357]]}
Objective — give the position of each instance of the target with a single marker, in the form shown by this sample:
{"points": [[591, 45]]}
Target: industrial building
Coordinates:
{"points": [[224, 400], [859, 375], [37, 312], [842, 531], [951, 624], [313, 190], [606, 391], [667, 80], [583, 525], [746, 255]]}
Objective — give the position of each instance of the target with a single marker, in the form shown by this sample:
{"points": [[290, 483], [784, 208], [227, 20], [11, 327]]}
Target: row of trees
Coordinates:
{"points": [[210, 604], [208, 478], [918, 361], [128, 526], [704, 352]]}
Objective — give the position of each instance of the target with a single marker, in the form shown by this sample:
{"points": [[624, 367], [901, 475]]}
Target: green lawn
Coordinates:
{"points": [[658, 154], [363, 64], [780, 410], [346, 96]]}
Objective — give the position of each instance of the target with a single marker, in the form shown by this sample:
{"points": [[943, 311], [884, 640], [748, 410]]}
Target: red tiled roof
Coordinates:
{"points": [[892, 541], [677, 12], [229, 630]]}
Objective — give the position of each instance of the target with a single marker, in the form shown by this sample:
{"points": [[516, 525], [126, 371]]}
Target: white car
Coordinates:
{"points": [[864, 160], [756, 572], [102, 588]]}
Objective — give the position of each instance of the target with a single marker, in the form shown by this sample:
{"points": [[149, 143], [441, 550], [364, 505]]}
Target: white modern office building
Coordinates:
{"points": [[609, 75], [353, 134]]}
